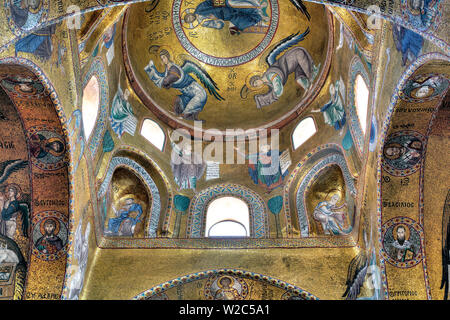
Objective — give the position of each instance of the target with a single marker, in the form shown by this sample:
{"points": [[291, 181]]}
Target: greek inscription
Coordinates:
{"points": [[398, 204], [7, 145], [49, 202], [403, 293]]}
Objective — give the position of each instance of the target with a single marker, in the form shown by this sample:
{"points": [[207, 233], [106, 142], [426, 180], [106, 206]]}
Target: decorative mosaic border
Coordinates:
{"points": [[141, 172], [231, 272], [334, 159], [356, 67], [331, 147], [259, 224], [97, 69], [385, 128]]}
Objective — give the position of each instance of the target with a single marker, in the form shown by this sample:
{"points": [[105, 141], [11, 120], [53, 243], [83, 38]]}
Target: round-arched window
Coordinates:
{"points": [[90, 106], [227, 217], [153, 133], [304, 130], [361, 101]]}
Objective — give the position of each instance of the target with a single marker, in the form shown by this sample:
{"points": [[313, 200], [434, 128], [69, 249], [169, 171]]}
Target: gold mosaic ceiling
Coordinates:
{"points": [[239, 65]]}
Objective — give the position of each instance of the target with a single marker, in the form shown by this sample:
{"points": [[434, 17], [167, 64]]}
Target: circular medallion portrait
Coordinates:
{"points": [[25, 15], [24, 87], [425, 87], [50, 235], [422, 14], [403, 152], [402, 246], [47, 148], [225, 287]]}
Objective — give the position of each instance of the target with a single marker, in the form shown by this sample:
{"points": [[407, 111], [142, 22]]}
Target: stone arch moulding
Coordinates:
{"points": [[396, 96], [324, 155], [332, 159], [155, 211], [97, 69], [31, 93], [210, 276], [259, 224]]}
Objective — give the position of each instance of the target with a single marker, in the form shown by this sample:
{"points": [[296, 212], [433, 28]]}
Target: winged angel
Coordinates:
{"points": [[81, 254], [193, 96], [363, 271], [13, 203], [282, 60]]}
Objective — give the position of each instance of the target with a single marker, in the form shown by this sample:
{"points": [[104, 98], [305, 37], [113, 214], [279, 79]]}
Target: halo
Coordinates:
{"points": [[18, 89], [392, 144], [251, 75], [156, 50], [53, 152], [414, 12], [407, 231], [223, 277], [187, 25], [37, 9], [333, 192], [413, 92], [16, 187], [57, 225]]}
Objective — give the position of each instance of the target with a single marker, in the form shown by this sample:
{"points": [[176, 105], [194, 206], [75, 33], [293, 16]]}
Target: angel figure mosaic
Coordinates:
{"points": [[193, 96], [331, 216], [15, 210], [122, 116], [126, 220], [334, 111], [281, 62]]}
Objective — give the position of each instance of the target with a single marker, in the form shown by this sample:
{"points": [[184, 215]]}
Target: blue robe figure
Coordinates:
{"points": [[407, 42], [38, 43], [264, 169], [241, 14], [124, 224], [332, 220], [193, 96]]}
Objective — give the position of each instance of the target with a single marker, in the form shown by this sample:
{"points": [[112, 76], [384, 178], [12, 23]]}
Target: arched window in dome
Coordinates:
{"points": [[227, 217], [153, 133], [361, 100], [305, 129], [90, 106]]}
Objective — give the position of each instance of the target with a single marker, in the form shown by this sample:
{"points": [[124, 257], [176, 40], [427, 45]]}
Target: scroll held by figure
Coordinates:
{"points": [[283, 60]]}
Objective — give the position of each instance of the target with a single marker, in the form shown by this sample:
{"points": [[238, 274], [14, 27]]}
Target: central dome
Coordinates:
{"points": [[232, 64]]}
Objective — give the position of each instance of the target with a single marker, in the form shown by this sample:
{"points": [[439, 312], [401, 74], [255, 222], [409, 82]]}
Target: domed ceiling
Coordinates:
{"points": [[234, 64]]}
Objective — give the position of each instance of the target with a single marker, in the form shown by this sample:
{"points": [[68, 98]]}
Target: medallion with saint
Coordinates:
{"points": [[214, 31]]}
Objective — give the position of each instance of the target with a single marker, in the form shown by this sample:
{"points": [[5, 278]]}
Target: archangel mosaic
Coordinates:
{"points": [[179, 142]]}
